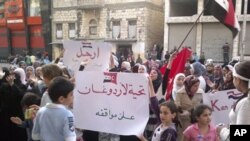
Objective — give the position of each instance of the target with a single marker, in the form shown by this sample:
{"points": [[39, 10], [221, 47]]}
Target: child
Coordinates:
{"points": [[201, 130], [27, 101], [166, 113], [54, 121]]}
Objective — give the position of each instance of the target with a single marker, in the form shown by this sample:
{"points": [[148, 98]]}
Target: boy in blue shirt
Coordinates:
{"points": [[54, 122]]}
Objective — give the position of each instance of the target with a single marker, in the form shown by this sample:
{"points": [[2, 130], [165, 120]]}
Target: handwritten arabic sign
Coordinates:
{"points": [[221, 102], [117, 102], [94, 54]]}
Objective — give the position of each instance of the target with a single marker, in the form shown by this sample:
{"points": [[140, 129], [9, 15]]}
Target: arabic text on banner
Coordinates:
{"points": [[95, 54], [117, 102]]}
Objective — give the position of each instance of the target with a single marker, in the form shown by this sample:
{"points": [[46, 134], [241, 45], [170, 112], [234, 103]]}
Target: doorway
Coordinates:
{"points": [[124, 51]]}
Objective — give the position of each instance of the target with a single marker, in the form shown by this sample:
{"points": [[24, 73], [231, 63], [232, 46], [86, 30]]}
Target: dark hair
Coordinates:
{"points": [[197, 111], [30, 99], [242, 69], [157, 82], [59, 86], [173, 109], [135, 68], [6, 74]]}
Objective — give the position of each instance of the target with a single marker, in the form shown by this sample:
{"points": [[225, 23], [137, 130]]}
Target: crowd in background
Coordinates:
{"points": [[25, 84]]}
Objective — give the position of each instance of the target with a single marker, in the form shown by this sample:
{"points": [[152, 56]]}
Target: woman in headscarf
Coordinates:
{"points": [[198, 70], [32, 81], [178, 84], [11, 93], [239, 114], [22, 75], [186, 99], [30, 73]]}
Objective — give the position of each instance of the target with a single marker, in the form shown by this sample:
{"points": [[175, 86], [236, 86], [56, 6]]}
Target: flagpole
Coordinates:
{"points": [[243, 37], [190, 29], [196, 21]]}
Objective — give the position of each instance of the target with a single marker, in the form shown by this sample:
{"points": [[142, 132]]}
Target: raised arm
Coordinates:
{"points": [[151, 88], [154, 104], [171, 59], [165, 76]]}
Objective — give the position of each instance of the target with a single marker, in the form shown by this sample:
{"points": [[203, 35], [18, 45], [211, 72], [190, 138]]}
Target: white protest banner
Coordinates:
{"points": [[108, 102], [221, 102], [95, 54]]}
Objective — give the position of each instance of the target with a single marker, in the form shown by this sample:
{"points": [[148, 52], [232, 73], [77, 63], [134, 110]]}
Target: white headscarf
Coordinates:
{"points": [[144, 67], [22, 74], [175, 86]]}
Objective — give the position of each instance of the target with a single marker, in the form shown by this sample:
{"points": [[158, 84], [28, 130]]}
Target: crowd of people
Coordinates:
{"points": [[36, 98]]}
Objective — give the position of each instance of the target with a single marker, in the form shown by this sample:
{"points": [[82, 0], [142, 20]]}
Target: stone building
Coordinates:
{"points": [[209, 35], [130, 26]]}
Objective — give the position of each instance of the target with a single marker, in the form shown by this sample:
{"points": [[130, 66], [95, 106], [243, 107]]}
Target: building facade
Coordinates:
{"points": [[21, 27], [209, 35], [131, 26]]}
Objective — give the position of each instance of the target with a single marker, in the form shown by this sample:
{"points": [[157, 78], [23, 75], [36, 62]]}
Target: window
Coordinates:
{"points": [[92, 27], [59, 33], [34, 8], [72, 30], [181, 8], [116, 29], [132, 29], [2, 9], [1, 5]]}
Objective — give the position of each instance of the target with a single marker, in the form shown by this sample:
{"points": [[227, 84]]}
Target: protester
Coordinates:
{"points": [[178, 84], [186, 99], [28, 100], [125, 67], [55, 121], [49, 72], [139, 60], [142, 69], [31, 81], [39, 78], [159, 89], [198, 70], [166, 113], [135, 68], [201, 129], [239, 114], [11, 93], [21, 73], [156, 77], [228, 82]]}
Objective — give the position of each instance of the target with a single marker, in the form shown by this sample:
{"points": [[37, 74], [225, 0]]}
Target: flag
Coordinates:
{"points": [[178, 66], [223, 10]]}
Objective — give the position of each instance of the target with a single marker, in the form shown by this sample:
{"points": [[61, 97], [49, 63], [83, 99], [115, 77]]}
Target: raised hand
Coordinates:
{"points": [[16, 120], [10, 79]]}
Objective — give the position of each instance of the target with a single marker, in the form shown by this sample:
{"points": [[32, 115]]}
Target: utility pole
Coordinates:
{"points": [[243, 37]]}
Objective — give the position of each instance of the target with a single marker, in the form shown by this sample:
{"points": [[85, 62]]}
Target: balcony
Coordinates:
{"points": [[90, 4]]}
